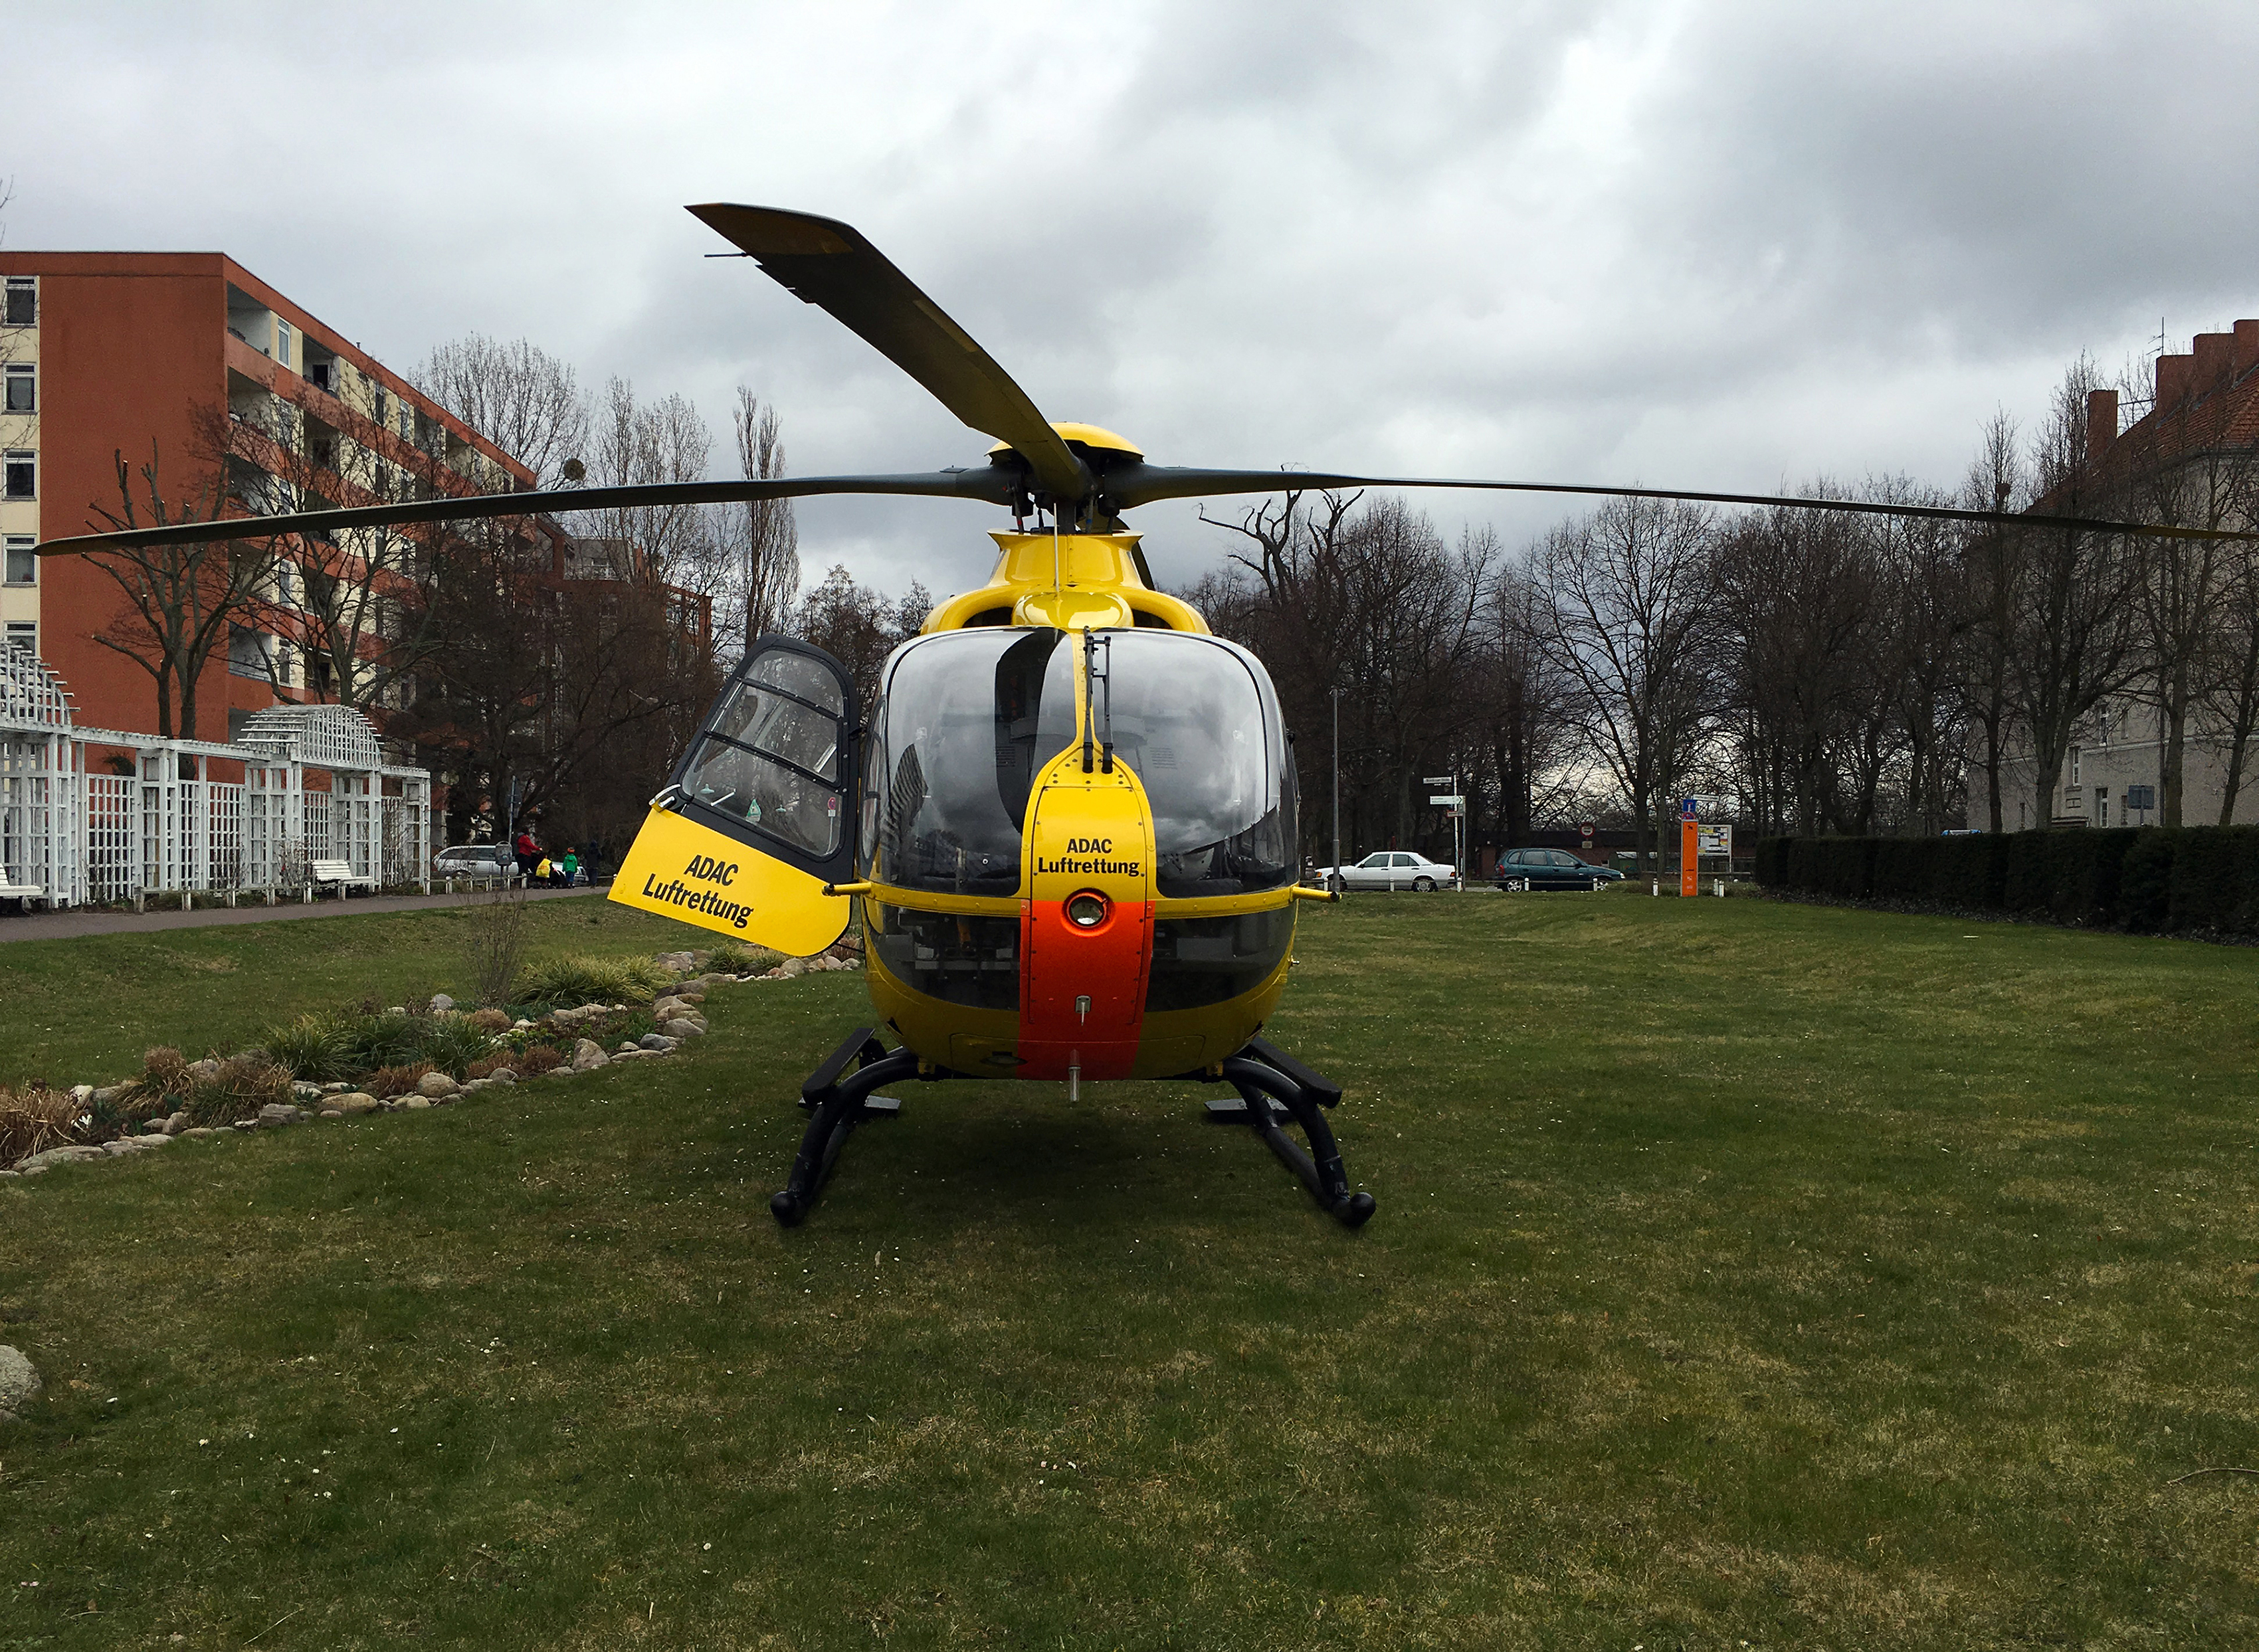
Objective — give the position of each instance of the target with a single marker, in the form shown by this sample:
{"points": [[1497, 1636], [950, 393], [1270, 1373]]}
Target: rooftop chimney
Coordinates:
{"points": [[2215, 361], [2101, 422], [2172, 379], [2246, 347]]}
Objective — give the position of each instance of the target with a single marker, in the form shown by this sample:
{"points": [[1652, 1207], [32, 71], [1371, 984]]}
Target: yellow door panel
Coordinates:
{"points": [[680, 869]]}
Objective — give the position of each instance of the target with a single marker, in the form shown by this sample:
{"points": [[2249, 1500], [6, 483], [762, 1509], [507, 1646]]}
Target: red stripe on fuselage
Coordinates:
{"points": [[1060, 966]]}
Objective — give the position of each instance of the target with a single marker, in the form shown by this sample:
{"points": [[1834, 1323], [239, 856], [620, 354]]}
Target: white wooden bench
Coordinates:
{"points": [[26, 893], [339, 872]]}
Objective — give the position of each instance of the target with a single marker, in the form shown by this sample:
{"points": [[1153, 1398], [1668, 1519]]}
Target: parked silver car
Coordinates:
{"points": [[474, 860], [1389, 869]]}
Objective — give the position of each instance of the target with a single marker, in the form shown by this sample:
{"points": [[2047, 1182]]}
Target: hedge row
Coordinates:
{"points": [[2147, 880]]}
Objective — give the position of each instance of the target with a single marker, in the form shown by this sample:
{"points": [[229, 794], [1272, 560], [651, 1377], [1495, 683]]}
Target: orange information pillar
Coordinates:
{"points": [[1689, 863]]}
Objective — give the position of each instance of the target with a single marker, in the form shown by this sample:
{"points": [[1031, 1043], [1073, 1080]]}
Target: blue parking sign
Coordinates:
{"points": [[1686, 810]]}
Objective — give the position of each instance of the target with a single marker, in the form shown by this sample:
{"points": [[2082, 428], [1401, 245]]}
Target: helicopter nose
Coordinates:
{"points": [[1088, 926]]}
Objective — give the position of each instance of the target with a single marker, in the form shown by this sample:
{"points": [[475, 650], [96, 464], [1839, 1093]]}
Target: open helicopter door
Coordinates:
{"points": [[760, 815]]}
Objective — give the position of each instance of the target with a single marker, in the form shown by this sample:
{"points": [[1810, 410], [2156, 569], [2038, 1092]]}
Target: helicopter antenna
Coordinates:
{"points": [[1106, 736]]}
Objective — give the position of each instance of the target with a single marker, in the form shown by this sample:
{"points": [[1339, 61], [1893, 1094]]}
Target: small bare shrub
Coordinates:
{"points": [[537, 1058], [391, 1081], [490, 1021], [495, 945]]}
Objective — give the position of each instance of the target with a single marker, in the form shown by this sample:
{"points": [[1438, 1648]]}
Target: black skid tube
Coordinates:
{"points": [[1320, 1168], [837, 1106]]}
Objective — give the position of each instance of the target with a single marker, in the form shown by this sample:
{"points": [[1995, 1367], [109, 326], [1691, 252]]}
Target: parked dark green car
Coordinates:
{"points": [[1551, 869]]}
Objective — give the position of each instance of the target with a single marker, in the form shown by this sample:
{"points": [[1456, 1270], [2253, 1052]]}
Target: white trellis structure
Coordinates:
{"points": [[315, 787]]}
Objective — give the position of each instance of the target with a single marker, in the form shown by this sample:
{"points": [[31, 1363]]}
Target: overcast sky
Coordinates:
{"points": [[1721, 246]]}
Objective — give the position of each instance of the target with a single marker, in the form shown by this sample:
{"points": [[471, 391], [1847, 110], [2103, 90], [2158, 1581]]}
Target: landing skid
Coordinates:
{"points": [[835, 1105], [1273, 1086]]}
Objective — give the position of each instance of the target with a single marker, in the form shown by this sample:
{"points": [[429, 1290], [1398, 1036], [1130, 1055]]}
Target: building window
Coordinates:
{"points": [[382, 407], [282, 341], [22, 475], [2074, 766], [22, 390], [23, 563], [247, 651], [2101, 805], [23, 637], [22, 301]]}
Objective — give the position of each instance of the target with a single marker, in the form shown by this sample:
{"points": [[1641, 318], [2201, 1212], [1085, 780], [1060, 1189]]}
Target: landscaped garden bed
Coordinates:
{"points": [[566, 1015]]}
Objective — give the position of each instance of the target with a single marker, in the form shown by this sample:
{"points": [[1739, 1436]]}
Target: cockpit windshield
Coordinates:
{"points": [[967, 720], [1195, 719]]}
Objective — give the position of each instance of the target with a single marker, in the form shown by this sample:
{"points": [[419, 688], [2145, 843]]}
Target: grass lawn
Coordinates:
{"points": [[1743, 1273]]}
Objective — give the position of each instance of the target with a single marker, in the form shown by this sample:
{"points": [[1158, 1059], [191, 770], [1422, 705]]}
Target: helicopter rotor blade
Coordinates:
{"points": [[1144, 484], [829, 264], [986, 485]]}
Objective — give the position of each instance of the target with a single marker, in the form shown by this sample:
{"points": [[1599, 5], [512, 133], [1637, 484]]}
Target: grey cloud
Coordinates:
{"points": [[1727, 244]]}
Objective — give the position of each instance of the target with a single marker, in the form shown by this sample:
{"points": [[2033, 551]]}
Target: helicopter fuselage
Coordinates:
{"points": [[1078, 828]]}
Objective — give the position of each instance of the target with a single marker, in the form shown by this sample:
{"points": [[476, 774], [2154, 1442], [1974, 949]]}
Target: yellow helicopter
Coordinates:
{"points": [[1070, 817]]}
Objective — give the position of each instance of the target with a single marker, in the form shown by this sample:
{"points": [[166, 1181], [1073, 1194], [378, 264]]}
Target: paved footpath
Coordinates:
{"points": [[60, 926]]}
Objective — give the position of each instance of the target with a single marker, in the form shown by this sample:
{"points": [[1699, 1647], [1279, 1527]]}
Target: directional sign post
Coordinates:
{"points": [[1690, 850], [1455, 802]]}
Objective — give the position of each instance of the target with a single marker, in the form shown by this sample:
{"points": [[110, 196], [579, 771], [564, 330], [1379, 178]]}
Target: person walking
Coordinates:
{"points": [[571, 867], [528, 850]]}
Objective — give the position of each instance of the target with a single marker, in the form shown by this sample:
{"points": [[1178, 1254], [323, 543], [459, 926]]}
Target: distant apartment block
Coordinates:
{"points": [[126, 354]]}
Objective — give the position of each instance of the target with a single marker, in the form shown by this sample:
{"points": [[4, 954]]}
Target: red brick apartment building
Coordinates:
{"points": [[106, 354]]}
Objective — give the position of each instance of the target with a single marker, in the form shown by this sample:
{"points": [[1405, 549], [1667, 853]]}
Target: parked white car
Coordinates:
{"points": [[1389, 869]]}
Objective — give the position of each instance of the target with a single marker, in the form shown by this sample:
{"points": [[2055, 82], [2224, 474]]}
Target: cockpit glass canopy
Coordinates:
{"points": [[1195, 719], [968, 719]]}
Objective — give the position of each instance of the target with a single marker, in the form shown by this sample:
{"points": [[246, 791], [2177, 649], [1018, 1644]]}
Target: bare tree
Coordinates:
{"points": [[2183, 466], [519, 397], [1631, 622], [180, 602], [763, 538], [1373, 603], [661, 441], [1529, 707], [1995, 565], [2073, 615], [859, 626], [2232, 703], [345, 605]]}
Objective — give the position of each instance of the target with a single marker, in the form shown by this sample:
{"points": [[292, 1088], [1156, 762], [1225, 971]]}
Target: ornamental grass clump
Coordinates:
{"points": [[35, 1119], [373, 1042], [566, 982], [734, 957], [314, 1047], [537, 1058], [452, 1043], [239, 1086]]}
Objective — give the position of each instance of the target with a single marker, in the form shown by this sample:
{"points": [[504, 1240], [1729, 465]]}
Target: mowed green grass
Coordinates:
{"points": [[1742, 1273]]}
